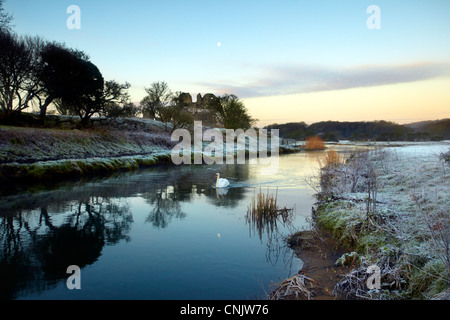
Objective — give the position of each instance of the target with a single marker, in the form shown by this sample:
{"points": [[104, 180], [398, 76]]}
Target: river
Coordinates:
{"points": [[159, 233]]}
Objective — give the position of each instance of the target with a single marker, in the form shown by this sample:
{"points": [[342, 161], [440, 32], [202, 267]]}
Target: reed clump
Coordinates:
{"points": [[332, 159], [264, 212], [263, 205]]}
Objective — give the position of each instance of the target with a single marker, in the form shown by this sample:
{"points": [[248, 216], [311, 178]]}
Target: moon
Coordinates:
{"points": [[219, 44]]}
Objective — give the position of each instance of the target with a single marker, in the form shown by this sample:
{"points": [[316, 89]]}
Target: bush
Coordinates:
{"points": [[314, 143]]}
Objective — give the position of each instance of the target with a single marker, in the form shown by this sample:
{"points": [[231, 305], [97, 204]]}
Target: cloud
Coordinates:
{"points": [[283, 80]]}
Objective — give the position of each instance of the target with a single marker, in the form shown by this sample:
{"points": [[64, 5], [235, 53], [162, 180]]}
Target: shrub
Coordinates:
{"points": [[314, 143]]}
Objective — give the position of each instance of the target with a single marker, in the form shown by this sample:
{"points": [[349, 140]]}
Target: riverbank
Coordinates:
{"points": [[60, 149], [388, 209], [65, 152]]}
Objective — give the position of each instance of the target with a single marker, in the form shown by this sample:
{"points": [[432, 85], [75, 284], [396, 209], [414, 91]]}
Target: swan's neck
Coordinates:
{"points": [[217, 181]]}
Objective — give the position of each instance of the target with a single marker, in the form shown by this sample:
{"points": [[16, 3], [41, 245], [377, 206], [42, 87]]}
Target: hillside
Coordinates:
{"points": [[434, 128]]}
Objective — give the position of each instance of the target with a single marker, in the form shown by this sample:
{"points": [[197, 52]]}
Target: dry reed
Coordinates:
{"points": [[263, 212], [263, 205], [297, 286], [314, 143]]}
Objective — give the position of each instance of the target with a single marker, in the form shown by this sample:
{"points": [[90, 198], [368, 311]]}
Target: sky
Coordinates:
{"points": [[288, 61]]}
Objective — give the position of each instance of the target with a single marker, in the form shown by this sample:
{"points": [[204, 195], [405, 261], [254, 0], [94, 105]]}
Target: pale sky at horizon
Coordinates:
{"points": [[287, 60]]}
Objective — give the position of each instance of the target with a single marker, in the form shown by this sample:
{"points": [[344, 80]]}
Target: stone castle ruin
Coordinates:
{"points": [[201, 103], [200, 109]]}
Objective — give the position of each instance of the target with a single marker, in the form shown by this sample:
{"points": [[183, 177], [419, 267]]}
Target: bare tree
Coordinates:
{"points": [[16, 66], [5, 18], [114, 99], [177, 113], [158, 97]]}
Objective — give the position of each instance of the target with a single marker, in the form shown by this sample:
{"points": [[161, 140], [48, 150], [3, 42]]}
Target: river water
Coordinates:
{"points": [[160, 233]]}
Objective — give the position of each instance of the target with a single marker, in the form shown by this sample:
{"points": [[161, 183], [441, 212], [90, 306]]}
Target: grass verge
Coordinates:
{"points": [[390, 209]]}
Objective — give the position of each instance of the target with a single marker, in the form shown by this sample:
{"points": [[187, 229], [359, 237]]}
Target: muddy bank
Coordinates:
{"points": [[319, 252]]}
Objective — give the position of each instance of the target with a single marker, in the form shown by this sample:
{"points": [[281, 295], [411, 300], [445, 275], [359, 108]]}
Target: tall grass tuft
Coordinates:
{"points": [[331, 159], [263, 212], [263, 205]]}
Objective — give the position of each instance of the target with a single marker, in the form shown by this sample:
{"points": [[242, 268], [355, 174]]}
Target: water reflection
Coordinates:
{"points": [[37, 247], [163, 215], [43, 232], [166, 205], [266, 223]]}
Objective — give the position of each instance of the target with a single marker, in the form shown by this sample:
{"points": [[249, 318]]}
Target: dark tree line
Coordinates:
{"points": [[361, 130]]}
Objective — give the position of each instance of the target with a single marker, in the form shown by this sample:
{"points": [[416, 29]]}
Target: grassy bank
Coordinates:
{"points": [[48, 153], [390, 208], [60, 148]]}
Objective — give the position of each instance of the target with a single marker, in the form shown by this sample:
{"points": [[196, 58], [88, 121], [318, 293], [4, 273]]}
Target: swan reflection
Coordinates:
{"points": [[220, 192]]}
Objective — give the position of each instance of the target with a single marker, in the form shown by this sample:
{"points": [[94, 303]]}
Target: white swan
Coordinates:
{"points": [[220, 182]]}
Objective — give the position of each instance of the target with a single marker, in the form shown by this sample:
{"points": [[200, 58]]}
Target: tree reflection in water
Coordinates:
{"points": [[165, 206], [37, 247], [43, 231]]}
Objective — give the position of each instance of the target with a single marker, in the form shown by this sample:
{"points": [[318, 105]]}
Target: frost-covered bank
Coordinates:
{"points": [[390, 208], [46, 153], [107, 145]]}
